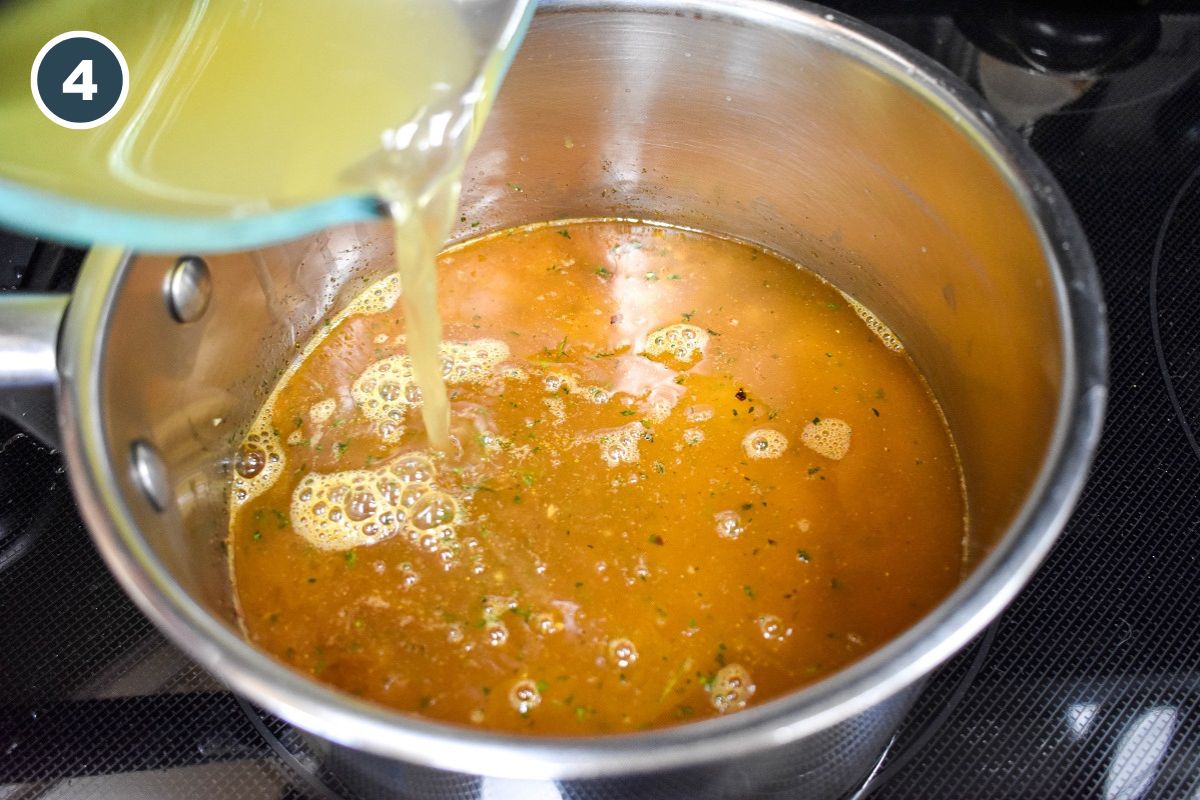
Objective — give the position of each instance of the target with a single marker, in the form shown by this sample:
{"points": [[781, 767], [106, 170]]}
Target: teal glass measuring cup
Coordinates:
{"points": [[314, 103]]}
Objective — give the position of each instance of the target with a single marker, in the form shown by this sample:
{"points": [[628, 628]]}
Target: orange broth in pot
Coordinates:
{"points": [[687, 476]]}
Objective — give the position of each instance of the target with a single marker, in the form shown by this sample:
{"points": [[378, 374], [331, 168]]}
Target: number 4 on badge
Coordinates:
{"points": [[80, 81]]}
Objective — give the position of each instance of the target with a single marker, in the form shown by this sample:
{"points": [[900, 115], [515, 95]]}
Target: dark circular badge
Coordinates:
{"points": [[79, 79]]}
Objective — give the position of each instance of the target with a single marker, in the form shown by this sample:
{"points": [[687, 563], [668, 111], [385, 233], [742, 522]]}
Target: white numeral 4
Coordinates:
{"points": [[80, 81]]}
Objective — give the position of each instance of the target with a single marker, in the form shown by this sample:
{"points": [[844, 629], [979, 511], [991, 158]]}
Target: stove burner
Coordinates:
{"points": [[1175, 306], [1056, 38]]}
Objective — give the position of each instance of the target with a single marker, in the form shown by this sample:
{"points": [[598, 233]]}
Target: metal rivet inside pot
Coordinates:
{"points": [[188, 289], [150, 474]]}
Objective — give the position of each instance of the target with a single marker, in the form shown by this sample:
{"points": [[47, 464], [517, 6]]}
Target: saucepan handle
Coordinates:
{"points": [[29, 326]]}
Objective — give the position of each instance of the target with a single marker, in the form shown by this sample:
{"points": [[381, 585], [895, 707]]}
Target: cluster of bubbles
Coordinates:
{"points": [[680, 341], [259, 461], [773, 628], [524, 696], [884, 333], [764, 443], [320, 412], [558, 408], [660, 409], [511, 373], [546, 623], [559, 382], [409, 577], [386, 390], [495, 633], [728, 524], [622, 652], [563, 382], [342, 510], [620, 445], [732, 689], [379, 390], [496, 609], [495, 606], [379, 297], [829, 437]]}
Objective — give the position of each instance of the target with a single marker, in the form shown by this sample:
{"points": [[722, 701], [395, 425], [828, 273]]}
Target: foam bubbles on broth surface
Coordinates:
{"points": [[259, 461], [524, 696], [773, 628], [732, 689], [625, 533], [387, 389], [764, 443], [261, 442], [354, 508], [379, 297], [875, 325], [728, 524], [680, 341], [827, 436], [619, 445], [321, 412], [622, 652]]}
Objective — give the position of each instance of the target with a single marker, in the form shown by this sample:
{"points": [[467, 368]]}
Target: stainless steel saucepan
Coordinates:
{"points": [[794, 128]]}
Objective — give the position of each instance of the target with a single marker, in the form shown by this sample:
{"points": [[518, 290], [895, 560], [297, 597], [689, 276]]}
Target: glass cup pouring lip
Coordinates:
{"points": [[42, 213]]}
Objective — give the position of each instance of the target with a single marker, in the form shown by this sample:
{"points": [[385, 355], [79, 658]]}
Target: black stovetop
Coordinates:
{"points": [[1088, 686]]}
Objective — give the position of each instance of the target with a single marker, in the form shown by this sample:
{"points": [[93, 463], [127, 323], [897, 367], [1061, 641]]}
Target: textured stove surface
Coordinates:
{"points": [[1088, 686]]}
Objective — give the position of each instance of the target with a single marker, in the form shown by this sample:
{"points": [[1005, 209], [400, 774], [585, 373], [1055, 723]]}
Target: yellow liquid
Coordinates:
{"points": [[234, 107], [238, 108], [417, 242]]}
